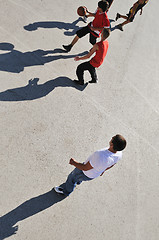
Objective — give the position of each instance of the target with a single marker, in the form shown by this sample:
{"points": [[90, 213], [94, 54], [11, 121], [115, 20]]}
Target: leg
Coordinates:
{"points": [[123, 16], [70, 183], [128, 18], [75, 177], [125, 22], [118, 15], [80, 72], [79, 34], [74, 40], [120, 26], [92, 39], [93, 74]]}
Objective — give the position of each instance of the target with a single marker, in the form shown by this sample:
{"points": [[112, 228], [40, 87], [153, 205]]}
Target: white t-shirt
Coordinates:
{"points": [[101, 160]]}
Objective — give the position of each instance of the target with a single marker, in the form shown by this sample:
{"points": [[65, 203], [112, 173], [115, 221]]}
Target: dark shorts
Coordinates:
{"points": [[82, 68], [84, 31], [137, 9]]}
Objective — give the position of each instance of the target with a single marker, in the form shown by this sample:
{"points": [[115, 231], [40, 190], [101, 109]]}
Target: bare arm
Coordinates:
{"points": [[106, 169], [92, 50], [90, 14], [81, 166]]}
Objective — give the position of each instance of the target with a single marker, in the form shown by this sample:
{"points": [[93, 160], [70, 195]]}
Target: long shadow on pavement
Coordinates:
{"points": [[55, 24], [34, 91], [15, 61], [25, 210]]}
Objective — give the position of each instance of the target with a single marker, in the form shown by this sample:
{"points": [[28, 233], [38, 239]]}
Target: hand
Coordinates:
{"points": [[77, 58], [71, 162], [86, 10]]}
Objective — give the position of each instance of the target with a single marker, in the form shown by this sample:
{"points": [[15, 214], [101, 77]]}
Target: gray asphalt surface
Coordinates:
{"points": [[45, 119]]}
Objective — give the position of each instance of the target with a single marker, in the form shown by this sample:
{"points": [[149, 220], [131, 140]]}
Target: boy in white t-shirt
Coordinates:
{"points": [[94, 166]]}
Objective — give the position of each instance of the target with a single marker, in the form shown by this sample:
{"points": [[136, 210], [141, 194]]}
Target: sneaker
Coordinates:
{"points": [[93, 81], [84, 18], [120, 27], [58, 190], [78, 183], [67, 47], [78, 82], [117, 16]]}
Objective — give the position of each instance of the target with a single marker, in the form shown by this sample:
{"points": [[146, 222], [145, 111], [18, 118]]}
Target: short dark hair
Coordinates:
{"points": [[106, 32], [103, 5], [119, 142]]}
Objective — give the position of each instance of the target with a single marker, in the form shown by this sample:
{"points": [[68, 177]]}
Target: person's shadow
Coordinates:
{"points": [[114, 27], [61, 25], [33, 90], [55, 24], [25, 210], [15, 61]]}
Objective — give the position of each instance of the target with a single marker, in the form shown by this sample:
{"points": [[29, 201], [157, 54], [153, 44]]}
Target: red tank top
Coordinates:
{"points": [[98, 59]]}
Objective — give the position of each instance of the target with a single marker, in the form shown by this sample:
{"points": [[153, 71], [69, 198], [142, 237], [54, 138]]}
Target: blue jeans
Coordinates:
{"points": [[75, 177]]}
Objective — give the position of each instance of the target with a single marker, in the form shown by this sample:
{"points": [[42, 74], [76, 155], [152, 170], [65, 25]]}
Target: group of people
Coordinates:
{"points": [[106, 158], [100, 26]]}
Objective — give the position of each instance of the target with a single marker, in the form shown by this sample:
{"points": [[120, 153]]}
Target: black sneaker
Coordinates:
{"points": [[59, 190], [78, 183], [67, 47], [117, 16], [120, 27], [93, 81], [79, 82]]}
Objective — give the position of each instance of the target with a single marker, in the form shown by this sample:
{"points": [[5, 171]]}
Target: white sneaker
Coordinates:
{"points": [[58, 190], [85, 19]]}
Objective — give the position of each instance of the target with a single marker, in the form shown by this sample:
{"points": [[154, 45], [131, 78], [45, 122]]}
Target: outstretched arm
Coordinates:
{"points": [[90, 14], [92, 50], [81, 166]]}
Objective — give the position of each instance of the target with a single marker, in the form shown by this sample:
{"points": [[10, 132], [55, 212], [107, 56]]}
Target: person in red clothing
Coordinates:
{"points": [[93, 28], [101, 50]]}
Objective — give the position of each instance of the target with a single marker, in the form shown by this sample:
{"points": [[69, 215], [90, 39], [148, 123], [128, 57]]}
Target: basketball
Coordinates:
{"points": [[81, 11]]}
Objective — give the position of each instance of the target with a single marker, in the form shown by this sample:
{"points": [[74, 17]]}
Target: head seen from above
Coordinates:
{"points": [[103, 6], [117, 143]]}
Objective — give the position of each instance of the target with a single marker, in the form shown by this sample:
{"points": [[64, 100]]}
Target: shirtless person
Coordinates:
{"points": [[132, 12]]}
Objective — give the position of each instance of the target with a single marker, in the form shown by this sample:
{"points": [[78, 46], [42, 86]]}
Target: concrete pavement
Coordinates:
{"points": [[45, 119]]}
